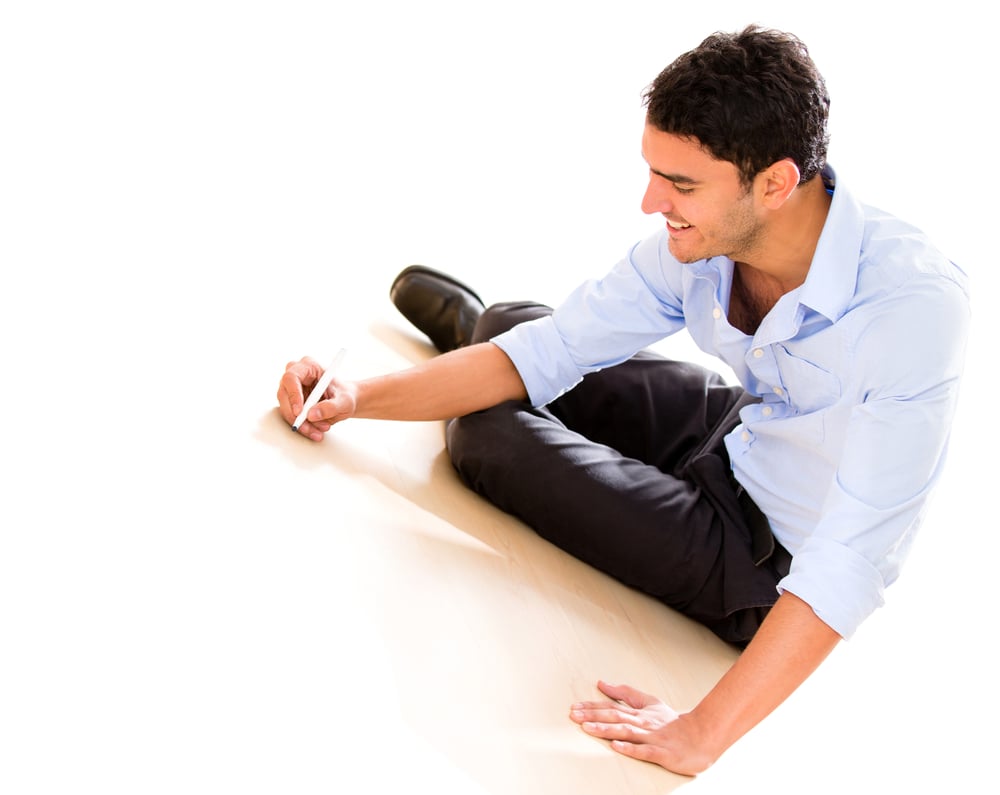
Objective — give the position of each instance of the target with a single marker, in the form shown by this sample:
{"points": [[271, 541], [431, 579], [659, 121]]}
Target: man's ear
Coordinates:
{"points": [[777, 181]]}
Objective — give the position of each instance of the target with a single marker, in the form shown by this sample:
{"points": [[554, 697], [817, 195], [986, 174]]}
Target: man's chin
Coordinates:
{"points": [[685, 254]]}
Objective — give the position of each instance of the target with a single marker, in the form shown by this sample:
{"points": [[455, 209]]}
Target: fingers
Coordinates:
{"points": [[603, 712], [321, 418], [632, 711], [624, 738], [615, 730], [628, 702], [622, 727], [314, 430], [298, 378], [339, 404]]}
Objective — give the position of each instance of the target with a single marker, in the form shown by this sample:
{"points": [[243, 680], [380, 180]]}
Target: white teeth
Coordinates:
{"points": [[677, 225]]}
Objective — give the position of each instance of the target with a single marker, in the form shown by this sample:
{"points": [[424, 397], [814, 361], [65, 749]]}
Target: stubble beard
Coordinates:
{"points": [[738, 236]]}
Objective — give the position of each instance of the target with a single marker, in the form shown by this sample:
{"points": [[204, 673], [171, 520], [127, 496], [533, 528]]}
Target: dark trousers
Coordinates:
{"points": [[628, 473]]}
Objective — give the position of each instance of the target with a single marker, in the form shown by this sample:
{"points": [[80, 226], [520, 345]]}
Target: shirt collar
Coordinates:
{"points": [[833, 273]]}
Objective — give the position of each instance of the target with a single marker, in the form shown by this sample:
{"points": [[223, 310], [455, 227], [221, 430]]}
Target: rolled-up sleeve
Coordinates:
{"points": [[541, 359], [602, 323], [894, 443]]}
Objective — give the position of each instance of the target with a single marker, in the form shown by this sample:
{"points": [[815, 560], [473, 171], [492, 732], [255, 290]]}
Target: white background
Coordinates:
{"points": [[192, 193]]}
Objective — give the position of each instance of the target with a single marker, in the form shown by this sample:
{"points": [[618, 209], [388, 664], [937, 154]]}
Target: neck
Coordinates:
{"points": [[790, 236]]}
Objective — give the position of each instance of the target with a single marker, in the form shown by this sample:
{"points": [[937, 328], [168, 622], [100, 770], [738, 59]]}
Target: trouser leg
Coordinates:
{"points": [[627, 472]]}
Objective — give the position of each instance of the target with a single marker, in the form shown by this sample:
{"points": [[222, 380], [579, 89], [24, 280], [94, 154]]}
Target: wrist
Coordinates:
{"points": [[706, 743]]}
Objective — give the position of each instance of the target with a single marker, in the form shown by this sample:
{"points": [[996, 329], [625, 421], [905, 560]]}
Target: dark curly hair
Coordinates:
{"points": [[750, 98]]}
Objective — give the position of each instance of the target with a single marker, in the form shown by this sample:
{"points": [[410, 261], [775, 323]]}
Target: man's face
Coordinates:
{"points": [[709, 212]]}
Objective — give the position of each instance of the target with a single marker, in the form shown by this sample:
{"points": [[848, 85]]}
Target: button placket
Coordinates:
{"points": [[760, 362]]}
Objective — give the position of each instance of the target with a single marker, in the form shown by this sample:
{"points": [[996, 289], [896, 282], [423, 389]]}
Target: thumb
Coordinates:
{"points": [[629, 695], [335, 408]]}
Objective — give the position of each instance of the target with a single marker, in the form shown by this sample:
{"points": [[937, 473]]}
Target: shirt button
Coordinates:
{"points": [[757, 353], [766, 411], [745, 436], [716, 313], [779, 391]]}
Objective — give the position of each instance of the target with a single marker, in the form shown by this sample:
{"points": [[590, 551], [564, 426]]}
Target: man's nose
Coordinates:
{"points": [[655, 199]]}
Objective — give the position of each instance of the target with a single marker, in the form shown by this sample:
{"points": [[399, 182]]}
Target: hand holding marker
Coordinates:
{"points": [[317, 394]]}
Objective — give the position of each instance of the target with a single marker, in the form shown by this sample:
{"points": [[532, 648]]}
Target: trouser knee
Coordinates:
{"points": [[502, 317]]}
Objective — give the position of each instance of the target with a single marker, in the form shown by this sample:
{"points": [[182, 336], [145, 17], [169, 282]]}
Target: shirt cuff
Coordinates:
{"points": [[841, 587], [540, 358]]}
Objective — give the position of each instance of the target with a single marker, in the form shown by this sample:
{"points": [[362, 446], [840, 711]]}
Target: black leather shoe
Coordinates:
{"points": [[441, 307]]}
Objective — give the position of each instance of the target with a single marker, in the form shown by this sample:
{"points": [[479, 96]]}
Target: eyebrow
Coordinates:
{"points": [[678, 179]]}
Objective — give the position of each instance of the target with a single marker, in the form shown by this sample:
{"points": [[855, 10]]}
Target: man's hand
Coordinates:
{"points": [[790, 644], [450, 385], [338, 403], [643, 727]]}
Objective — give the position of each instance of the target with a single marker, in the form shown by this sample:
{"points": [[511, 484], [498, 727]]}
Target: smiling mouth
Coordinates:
{"points": [[677, 224]]}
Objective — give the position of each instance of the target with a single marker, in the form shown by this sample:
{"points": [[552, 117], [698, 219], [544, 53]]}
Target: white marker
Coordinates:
{"points": [[317, 394]]}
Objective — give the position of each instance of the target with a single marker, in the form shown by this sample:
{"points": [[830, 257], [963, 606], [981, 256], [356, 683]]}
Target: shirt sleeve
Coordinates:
{"points": [[910, 356], [602, 323]]}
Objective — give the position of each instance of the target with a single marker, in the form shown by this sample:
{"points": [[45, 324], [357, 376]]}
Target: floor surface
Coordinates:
{"points": [[193, 599]]}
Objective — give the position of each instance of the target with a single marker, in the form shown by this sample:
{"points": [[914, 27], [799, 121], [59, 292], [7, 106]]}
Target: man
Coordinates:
{"points": [[775, 512]]}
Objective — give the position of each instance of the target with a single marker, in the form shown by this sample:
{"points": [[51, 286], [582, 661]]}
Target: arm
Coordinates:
{"points": [[789, 646], [450, 385]]}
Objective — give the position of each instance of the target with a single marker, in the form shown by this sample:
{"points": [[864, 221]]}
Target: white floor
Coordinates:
{"points": [[192, 599]]}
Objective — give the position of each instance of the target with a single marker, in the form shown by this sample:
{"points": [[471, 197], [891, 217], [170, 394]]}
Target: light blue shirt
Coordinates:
{"points": [[857, 370]]}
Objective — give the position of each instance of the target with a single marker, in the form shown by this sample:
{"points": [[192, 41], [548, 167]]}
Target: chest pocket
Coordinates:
{"points": [[808, 386]]}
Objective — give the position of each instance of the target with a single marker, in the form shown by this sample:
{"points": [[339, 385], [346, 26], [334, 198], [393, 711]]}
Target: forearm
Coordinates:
{"points": [[790, 644], [450, 385]]}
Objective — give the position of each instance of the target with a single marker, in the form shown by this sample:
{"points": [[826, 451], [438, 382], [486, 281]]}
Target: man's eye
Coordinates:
{"points": [[683, 191]]}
